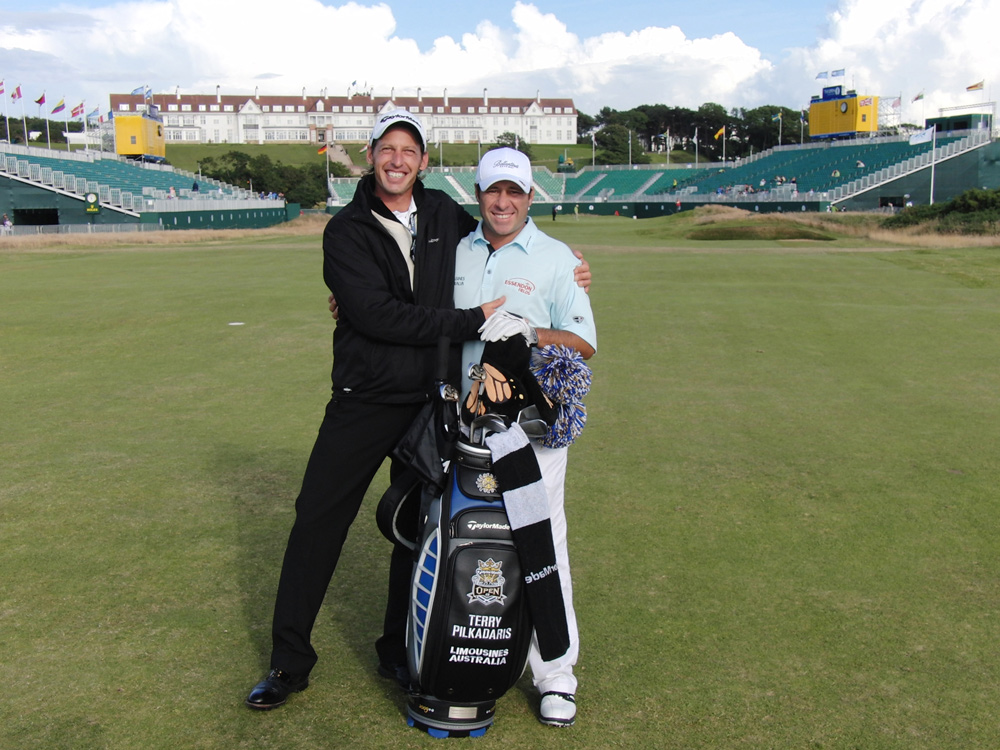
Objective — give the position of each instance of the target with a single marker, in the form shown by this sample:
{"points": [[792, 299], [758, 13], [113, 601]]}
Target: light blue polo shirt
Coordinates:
{"points": [[534, 272]]}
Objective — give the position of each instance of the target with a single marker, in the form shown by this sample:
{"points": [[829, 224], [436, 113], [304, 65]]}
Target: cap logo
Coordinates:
{"points": [[388, 118]]}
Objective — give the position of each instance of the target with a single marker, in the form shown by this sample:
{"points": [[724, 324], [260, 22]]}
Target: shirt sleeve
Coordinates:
{"points": [[570, 309]]}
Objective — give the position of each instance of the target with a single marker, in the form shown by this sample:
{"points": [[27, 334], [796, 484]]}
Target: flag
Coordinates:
{"points": [[722, 132], [776, 118], [924, 136], [59, 107], [976, 86], [918, 97], [138, 91], [147, 94], [1, 87], [866, 102], [802, 116], [824, 74], [77, 111], [897, 103], [322, 150], [15, 94], [40, 100], [837, 73]]}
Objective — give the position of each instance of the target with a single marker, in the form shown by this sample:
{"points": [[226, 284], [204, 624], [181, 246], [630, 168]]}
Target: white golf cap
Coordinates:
{"points": [[504, 164], [397, 117]]}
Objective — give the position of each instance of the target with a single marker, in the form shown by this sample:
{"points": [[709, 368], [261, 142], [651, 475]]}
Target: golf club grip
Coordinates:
{"points": [[441, 373]]}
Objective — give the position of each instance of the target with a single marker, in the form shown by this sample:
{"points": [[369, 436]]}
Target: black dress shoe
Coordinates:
{"points": [[274, 689], [398, 672]]}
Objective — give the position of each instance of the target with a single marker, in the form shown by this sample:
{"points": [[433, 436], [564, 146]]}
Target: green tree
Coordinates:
{"points": [[585, 124], [511, 140], [613, 144]]}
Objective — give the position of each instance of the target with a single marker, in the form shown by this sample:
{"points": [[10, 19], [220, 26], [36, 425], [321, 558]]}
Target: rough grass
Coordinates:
{"points": [[781, 510]]}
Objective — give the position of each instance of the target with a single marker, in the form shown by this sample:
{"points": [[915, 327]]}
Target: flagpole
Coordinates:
{"points": [[24, 120], [6, 117], [933, 149], [48, 139], [65, 120], [86, 140]]}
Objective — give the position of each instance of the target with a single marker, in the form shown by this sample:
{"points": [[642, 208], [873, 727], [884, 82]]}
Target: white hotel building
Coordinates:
{"points": [[224, 118]]}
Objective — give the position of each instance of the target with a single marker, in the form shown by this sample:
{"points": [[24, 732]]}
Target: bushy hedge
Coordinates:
{"points": [[975, 211]]}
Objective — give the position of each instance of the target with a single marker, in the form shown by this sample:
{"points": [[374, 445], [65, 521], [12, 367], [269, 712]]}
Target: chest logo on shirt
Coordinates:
{"points": [[522, 285]]}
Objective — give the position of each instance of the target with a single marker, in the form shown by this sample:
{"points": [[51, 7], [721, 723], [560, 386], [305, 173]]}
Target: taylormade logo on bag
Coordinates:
{"points": [[481, 526], [533, 577]]}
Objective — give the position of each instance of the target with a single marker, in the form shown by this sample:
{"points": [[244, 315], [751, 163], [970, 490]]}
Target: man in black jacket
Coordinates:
{"points": [[389, 259]]}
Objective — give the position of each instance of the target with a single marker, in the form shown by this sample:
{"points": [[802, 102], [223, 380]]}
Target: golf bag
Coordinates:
{"points": [[469, 628]]}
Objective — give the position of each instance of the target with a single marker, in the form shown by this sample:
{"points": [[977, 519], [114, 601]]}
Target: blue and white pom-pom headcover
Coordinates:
{"points": [[565, 378]]}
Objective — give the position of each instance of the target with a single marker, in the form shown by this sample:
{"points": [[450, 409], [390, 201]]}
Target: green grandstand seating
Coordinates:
{"points": [[125, 175]]}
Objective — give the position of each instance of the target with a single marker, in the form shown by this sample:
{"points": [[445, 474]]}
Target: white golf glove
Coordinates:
{"points": [[501, 325]]}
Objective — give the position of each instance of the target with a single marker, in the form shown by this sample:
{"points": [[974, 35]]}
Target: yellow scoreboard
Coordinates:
{"points": [[839, 115], [140, 136]]}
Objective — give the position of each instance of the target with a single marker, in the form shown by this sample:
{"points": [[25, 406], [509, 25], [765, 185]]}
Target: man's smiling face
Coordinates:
{"points": [[504, 208], [397, 159]]}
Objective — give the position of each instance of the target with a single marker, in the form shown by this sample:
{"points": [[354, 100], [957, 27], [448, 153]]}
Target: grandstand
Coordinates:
{"points": [[47, 188], [859, 174]]}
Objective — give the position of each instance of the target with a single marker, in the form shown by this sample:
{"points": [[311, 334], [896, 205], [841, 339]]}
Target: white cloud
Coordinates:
{"points": [[902, 47]]}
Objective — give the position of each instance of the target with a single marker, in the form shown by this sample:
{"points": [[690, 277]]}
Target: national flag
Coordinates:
{"points": [[776, 118], [147, 94], [138, 91], [722, 132], [837, 73], [77, 111], [924, 136], [95, 113], [40, 100], [897, 103], [1, 87], [866, 102], [59, 107], [15, 94], [824, 74], [802, 116], [322, 150], [918, 97], [976, 86]]}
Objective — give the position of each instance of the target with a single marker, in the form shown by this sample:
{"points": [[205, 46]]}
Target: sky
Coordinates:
{"points": [[599, 53]]}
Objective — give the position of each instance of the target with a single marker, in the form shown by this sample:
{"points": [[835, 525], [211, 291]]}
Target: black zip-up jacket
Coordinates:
{"points": [[385, 342]]}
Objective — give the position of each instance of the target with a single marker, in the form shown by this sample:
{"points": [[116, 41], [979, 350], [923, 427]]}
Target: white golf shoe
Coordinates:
{"points": [[558, 709]]}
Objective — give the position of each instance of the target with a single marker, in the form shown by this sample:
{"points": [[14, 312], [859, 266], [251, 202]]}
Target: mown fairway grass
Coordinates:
{"points": [[782, 511]]}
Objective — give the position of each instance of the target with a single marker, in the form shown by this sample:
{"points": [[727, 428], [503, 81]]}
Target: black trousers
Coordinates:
{"points": [[353, 441]]}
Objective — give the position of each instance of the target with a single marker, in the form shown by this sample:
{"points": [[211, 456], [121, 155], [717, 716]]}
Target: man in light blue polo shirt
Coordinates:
{"points": [[509, 256]]}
